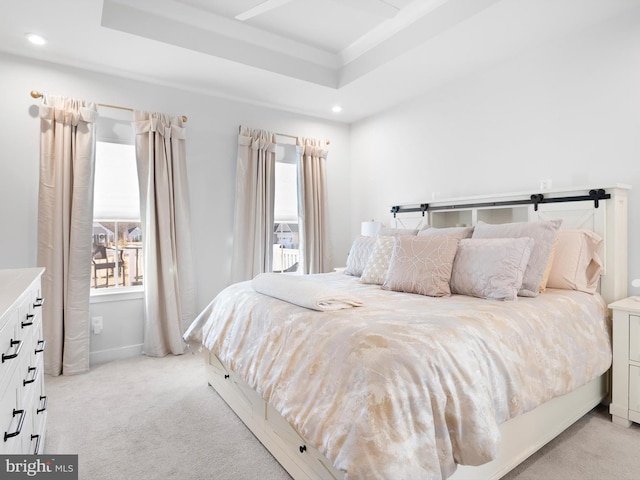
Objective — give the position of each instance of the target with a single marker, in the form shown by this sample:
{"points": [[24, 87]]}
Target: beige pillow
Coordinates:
{"points": [[458, 232], [543, 234], [394, 232], [422, 265], [491, 268], [377, 266], [576, 264], [359, 255]]}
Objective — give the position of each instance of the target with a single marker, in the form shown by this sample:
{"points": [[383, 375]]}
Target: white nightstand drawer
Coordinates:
{"points": [[634, 338], [634, 388]]}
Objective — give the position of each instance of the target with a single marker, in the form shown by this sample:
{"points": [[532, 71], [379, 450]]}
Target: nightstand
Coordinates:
{"points": [[625, 401]]}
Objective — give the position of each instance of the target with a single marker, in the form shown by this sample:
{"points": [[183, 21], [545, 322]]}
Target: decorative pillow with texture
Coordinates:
{"points": [[375, 271], [422, 265], [394, 232], [359, 255], [576, 264], [491, 268], [458, 232], [543, 234]]}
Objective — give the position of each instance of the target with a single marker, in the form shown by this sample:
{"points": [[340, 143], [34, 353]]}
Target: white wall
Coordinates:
{"points": [[567, 111], [211, 151]]}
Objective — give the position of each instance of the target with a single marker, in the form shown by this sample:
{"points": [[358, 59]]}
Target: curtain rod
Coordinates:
{"points": [[37, 94], [327, 141]]}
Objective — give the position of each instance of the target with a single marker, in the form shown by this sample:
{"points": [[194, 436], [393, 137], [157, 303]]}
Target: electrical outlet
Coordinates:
{"points": [[545, 184], [96, 325]]}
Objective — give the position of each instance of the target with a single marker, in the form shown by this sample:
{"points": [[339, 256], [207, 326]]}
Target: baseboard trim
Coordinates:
{"points": [[104, 356]]}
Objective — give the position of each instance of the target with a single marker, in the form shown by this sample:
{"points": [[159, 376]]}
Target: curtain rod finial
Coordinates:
{"points": [[35, 94]]}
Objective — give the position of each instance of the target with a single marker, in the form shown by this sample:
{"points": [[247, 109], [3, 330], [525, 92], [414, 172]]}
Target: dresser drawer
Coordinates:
{"points": [[10, 345], [12, 417], [22, 399]]}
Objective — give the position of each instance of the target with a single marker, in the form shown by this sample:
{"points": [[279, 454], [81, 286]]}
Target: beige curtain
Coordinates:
{"points": [[255, 187], [312, 205], [169, 297], [65, 219]]}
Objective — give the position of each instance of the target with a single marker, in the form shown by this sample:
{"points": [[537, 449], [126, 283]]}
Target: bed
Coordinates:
{"points": [[415, 385]]}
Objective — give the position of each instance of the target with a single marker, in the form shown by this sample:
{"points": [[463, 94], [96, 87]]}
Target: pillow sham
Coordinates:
{"points": [[576, 264], [458, 232], [543, 233], [394, 232], [491, 268], [547, 269], [375, 272], [422, 265], [359, 255]]}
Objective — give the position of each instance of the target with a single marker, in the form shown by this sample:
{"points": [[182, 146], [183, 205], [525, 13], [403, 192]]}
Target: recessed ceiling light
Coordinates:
{"points": [[36, 39], [336, 109]]}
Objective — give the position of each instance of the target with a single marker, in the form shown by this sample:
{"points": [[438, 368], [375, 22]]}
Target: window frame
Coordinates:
{"points": [[117, 292]]}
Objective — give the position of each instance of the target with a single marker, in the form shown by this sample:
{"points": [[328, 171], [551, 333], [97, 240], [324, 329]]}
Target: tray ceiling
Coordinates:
{"points": [[296, 55]]}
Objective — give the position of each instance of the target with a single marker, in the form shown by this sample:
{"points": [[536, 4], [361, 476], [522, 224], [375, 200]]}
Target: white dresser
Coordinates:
{"points": [[625, 401], [23, 405]]}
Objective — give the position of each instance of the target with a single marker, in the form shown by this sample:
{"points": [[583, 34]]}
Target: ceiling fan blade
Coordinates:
{"points": [[260, 9]]}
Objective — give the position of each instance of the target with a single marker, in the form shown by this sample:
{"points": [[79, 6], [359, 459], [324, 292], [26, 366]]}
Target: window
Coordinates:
{"points": [[117, 234], [285, 215]]}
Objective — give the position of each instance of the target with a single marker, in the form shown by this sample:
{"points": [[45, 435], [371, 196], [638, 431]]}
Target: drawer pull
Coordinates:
{"points": [[44, 404], [37, 437], [39, 302], [226, 375], [20, 423], [16, 353], [302, 448], [33, 379], [29, 321], [41, 349]]}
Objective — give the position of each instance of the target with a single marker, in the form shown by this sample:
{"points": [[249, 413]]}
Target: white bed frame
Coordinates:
{"points": [[521, 436]]}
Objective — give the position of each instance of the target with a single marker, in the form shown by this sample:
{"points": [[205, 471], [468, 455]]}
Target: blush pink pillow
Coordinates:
{"points": [[576, 263]]}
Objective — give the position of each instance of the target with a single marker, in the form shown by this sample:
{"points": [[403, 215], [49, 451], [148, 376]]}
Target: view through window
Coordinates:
{"points": [[285, 230], [117, 234]]}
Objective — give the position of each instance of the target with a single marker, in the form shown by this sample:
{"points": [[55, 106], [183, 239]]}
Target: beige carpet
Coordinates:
{"points": [[156, 418]]}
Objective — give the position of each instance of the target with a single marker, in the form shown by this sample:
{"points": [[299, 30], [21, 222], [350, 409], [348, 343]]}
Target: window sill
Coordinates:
{"points": [[116, 294]]}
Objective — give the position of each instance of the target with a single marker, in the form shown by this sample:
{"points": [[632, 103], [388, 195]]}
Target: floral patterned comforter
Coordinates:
{"points": [[406, 386]]}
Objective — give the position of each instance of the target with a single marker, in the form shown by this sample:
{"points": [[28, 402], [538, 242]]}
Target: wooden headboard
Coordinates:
{"points": [[602, 210]]}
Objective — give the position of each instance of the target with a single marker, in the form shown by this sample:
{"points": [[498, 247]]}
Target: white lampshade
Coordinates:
{"points": [[370, 229]]}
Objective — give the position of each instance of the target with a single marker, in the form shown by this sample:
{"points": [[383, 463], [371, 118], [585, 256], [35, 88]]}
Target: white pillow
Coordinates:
{"points": [[491, 268], [576, 263], [359, 255], [377, 266], [542, 232]]}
